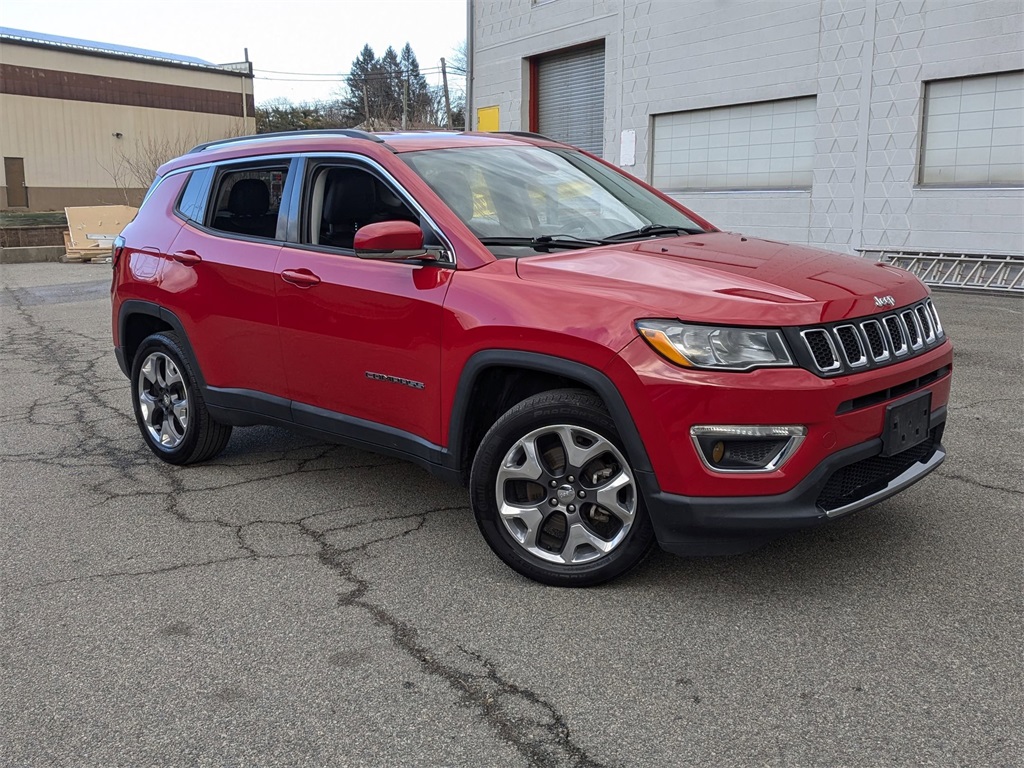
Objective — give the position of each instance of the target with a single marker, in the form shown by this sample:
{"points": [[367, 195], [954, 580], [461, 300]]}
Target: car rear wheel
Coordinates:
{"points": [[169, 406], [554, 493]]}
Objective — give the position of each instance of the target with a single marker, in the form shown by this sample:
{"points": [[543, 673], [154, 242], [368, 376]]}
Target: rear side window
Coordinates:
{"points": [[192, 203], [247, 200]]}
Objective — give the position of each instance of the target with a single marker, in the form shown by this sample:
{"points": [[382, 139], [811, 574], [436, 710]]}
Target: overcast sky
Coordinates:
{"points": [[293, 36]]}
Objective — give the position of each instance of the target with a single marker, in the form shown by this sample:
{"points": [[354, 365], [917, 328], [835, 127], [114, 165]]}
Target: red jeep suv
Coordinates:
{"points": [[602, 367]]}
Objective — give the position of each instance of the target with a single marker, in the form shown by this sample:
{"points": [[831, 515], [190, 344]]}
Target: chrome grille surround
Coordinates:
{"points": [[853, 347], [875, 336], [897, 345], [913, 328], [871, 342], [925, 317], [935, 317], [817, 356]]}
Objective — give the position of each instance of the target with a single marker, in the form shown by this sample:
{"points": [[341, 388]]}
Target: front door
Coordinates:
{"points": [[17, 192], [360, 338]]}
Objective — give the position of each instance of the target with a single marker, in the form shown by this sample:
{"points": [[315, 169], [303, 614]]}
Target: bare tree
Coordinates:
{"points": [[133, 165]]}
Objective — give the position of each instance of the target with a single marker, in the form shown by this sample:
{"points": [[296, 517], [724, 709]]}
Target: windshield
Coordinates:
{"points": [[525, 199]]}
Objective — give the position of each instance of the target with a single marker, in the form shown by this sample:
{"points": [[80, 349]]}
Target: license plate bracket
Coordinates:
{"points": [[906, 423]]}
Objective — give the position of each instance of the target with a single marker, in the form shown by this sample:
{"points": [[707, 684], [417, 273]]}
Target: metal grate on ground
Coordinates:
{"points": [[974, 271]]}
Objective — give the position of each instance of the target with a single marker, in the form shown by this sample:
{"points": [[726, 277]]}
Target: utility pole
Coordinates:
{"points": [[366, 106], [245, 101], [447, 98], [405, 101]]}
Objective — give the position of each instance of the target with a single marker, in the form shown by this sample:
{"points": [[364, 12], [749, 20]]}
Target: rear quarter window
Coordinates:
{"points": [[192, 203]]}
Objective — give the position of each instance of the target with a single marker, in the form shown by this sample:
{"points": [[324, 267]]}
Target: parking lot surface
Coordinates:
{"points": [[300, 603]]}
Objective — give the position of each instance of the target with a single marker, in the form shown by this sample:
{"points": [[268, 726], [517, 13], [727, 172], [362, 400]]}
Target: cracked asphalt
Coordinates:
{"points": [[300, 603]]}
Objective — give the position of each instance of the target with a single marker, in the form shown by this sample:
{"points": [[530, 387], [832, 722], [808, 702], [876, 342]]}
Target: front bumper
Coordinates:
{"points": [[695, 525], [838, 413]]}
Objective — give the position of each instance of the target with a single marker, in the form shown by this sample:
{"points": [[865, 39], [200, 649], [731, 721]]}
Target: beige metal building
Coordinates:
{"points": [[86, 123]]}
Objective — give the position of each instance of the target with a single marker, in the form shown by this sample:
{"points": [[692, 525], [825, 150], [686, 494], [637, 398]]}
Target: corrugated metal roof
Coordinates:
{"points": [[105, 48]]}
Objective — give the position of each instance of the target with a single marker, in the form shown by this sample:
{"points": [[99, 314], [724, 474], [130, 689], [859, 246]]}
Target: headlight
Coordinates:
{"points": [[703, 346]]}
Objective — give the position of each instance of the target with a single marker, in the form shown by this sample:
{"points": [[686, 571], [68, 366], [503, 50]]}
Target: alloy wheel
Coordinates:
{"points": [[163, 400], [566, 494]]}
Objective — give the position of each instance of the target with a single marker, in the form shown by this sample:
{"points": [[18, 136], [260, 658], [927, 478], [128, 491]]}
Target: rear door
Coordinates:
{"points": [[221, 271], [361, 339]]}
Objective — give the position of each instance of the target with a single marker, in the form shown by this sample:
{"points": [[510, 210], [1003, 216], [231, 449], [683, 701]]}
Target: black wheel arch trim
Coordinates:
{"points": [[141, 307], [535, 361]]}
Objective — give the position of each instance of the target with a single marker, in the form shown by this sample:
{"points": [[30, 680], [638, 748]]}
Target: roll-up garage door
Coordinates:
{"points": [[570, 97]]}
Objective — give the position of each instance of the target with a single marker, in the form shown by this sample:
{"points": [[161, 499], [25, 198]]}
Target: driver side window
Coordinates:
{"points": [[344, 198]]}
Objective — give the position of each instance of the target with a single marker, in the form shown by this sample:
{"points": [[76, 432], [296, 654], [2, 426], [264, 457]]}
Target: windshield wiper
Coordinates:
{"points": [[650, 230], [543, 242]]}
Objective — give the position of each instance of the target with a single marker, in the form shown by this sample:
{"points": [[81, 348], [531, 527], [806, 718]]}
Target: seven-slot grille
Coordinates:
{"points": [[870, 342]]}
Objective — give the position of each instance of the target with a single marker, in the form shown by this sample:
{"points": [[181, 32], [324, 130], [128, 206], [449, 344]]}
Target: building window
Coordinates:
{"points": [[768, 145], [973, 131]]}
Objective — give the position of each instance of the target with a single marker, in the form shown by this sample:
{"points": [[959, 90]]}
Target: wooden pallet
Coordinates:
{"points": [[92, 229]]}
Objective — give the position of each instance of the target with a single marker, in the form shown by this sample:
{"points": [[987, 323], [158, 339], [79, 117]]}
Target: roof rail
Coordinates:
{"points": [[350, 133], [529, 135]]}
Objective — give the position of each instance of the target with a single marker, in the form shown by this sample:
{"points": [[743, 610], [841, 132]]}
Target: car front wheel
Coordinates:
{"points": [[554, 493]]}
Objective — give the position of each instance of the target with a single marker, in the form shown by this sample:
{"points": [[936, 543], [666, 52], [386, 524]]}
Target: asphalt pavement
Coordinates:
{"points": [[299, 603]]}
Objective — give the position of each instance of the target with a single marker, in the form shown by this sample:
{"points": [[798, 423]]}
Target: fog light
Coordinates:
{"points": [[746, 448], [718, 452]]}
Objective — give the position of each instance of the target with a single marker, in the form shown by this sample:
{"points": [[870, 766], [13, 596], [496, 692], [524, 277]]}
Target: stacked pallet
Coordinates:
{"points": [[92, 229]]}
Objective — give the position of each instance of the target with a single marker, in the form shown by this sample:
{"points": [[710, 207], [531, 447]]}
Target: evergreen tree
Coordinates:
{"points": [[375, 88], [391, 86], [420, 99], [361, 86]]}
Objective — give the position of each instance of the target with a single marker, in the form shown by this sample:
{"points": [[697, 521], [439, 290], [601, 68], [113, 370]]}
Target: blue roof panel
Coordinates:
{"points": [[91, 45]]}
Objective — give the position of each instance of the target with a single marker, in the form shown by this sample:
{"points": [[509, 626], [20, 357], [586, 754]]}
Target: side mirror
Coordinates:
{"points": [[391, 240]]}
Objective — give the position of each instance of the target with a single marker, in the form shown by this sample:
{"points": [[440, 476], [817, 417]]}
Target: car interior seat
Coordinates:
{"points": [[248, 204], [349, 203]]}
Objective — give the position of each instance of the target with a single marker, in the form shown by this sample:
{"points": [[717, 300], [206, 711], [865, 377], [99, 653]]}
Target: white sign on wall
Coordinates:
{"points": [[627, 149]]}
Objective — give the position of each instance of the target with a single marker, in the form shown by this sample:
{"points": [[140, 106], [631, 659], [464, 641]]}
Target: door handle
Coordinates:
{"points": [[187, 257], [300, 277]]}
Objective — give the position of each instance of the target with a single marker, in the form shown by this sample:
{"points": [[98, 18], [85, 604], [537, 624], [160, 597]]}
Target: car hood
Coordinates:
{"points": [[728, 278]]}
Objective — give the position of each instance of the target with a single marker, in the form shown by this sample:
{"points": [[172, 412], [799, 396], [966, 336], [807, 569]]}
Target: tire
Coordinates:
{"points": [[567, 518], [169, 406]]}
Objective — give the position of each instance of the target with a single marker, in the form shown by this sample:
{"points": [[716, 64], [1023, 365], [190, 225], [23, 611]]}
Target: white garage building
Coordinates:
{"points": [[857, 125]]}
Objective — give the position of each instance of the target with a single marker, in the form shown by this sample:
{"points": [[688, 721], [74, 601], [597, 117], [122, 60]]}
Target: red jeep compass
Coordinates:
{"points": [[601, 366]]}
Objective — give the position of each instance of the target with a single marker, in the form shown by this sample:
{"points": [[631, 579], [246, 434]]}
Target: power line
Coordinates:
{"points": [[312, 76], [334, 74], [339, 78]]}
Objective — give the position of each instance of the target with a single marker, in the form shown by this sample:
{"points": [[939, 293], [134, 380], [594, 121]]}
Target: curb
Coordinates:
{"points": [[31, 254]]}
